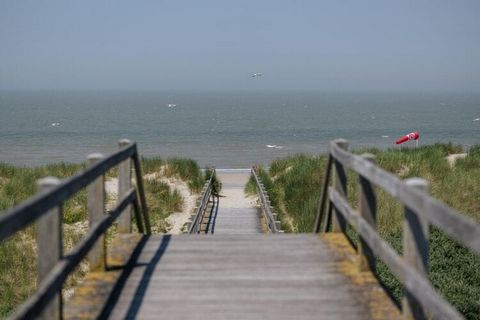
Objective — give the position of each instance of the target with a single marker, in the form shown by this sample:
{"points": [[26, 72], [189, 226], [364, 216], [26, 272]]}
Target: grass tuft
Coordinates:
{"points": [[294, 184]]}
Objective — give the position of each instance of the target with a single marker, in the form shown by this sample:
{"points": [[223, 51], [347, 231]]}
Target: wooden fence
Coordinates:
{"points": [[270, 217], [208, 191], [46, 208], [421, 300]]}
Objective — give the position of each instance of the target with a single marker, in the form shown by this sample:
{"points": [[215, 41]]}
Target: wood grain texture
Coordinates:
{"points": [[340, 185], [367, 206], [50, 247], [124, 184], [96, 212], [276, 276], [415, 250]]}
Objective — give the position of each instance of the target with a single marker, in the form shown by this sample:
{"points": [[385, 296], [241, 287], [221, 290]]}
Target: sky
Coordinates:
{"points": [[347, 45]]}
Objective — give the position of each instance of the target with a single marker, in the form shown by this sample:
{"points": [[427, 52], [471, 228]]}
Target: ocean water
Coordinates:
{"points": [[227, 130]]}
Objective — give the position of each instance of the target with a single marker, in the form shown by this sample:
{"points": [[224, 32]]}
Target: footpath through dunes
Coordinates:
{"points": [[238, 272], [237, 213], [281, 276]]}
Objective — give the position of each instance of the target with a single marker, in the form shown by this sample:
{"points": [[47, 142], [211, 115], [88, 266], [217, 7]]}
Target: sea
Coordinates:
{"points": [[225, 129]]}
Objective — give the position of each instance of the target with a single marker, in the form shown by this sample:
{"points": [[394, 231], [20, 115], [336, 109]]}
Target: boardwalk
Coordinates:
{"points": [[237, 277], [236, 214], [236, 273]]}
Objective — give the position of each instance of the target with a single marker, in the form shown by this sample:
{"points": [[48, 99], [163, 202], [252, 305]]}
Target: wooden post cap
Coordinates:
{"points": [[124, 142], [94, 157], [342, 143], [47, 183]]}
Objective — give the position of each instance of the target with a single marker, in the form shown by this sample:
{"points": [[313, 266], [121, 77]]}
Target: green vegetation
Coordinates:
{"points": [[184, 169], [294, 185], [18, 254]]}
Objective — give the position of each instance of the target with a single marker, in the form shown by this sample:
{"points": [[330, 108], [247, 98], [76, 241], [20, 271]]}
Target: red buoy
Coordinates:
{"points": [[411, 136]]}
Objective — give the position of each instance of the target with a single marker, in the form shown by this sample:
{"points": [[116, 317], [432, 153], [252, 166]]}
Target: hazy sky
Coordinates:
{"points": [[339, 45]]}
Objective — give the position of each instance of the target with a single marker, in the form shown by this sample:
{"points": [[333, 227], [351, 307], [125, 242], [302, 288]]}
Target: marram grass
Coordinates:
{"points": [[294, 185]]}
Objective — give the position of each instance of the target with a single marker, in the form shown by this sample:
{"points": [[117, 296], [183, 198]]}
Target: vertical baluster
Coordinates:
{"points": [[50, 247], [124, 184], [321, 216], [340, 185], [367, 204], [415, 249], [96, 210]]}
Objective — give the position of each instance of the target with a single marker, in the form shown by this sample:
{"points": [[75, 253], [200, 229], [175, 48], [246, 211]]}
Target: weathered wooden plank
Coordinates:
{"points": [[202, 205], [453, 223], [319, 219], [96, 212], [50, 247], [340, 185], [138, 215], [367, 209], [55, 279], [238, 277], [141, 191], [25, 213], [124, 184], [415, 283], [415, 250]]}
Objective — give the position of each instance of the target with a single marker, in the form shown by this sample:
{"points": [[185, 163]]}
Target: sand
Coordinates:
{"points": [[454, 157], [177, 219], [232, 192]]}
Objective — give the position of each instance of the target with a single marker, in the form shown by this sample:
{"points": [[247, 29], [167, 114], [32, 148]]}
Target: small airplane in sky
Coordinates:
{"points": [[257, 75]]}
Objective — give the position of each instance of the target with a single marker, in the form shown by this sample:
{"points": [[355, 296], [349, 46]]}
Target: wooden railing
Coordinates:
{"points": [[270, 217], [53, 266], [421, 300], [204, 199]]}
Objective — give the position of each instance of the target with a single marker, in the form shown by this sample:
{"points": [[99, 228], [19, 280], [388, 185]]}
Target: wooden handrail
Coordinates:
{"points": [[456, 225], [54, 281], [205, 195], [271, 218], [46, 302], [420, 211], [27, 212], [412, 280]]}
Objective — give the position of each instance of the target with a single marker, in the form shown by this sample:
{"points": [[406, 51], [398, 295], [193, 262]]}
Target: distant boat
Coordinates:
{"points": [[171, 105]]}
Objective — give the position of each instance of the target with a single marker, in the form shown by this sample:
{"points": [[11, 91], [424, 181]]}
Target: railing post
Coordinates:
{"points": [[124, 184], [96, 210], [340, 185], [321, 214], [50, 247], [415, 249], [367, 206]]}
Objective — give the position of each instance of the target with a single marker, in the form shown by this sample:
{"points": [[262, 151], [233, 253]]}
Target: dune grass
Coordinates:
{"points": [[294, 185], [18, 254]]}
